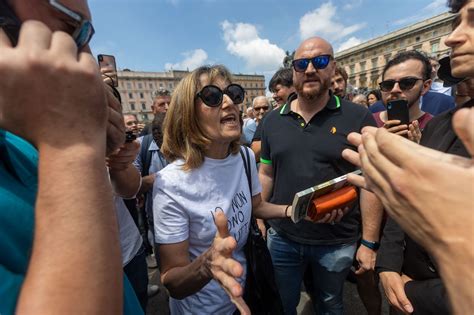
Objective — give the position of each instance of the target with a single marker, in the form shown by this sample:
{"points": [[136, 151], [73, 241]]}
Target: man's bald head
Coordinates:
{"points": [[312, 43], [313, 82]]}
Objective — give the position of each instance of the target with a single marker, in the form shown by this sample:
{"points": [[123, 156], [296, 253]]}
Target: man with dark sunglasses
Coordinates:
{"points": [[59, 234], [408, 77], [301, 147]]}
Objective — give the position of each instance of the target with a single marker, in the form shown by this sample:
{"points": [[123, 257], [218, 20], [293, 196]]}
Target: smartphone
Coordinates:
{"points": [[398, 110], [130, 136], [108, 68]]}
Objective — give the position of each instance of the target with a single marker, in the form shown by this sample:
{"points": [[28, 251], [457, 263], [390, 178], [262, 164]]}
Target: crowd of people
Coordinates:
{"points": [[84, 208]]}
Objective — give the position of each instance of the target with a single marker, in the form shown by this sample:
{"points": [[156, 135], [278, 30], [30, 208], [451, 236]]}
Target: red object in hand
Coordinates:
{"points": [[334, 200]]}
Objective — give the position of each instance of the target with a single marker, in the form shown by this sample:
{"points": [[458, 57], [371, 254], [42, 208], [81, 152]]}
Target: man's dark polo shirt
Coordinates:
{"points": [[303, 155]]}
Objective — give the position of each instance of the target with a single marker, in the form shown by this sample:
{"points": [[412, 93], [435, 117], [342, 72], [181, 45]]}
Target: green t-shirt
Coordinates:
{"points": [[18, 187]]}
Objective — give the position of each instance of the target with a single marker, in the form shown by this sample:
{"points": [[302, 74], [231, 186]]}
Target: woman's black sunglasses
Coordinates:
{"points": [[212, 95], [404, 84]]}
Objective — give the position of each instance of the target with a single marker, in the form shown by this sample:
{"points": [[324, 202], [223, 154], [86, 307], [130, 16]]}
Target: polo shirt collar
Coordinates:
{"points": [[334, 103]]}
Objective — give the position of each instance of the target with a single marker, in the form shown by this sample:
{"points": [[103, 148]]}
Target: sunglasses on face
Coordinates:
{"points": [[404, 84], [83, 28], [261, 108], [319, 62], [212, 95]]}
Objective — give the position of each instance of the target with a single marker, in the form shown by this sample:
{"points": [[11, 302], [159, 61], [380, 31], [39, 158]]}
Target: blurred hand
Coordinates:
{"points": [[393, 126], [262, 228], [394, 289], [116, 125], [366, 259], [333, 217], [405, 175], [51, 94], [223, 267], [124, 157], [414, 132]]}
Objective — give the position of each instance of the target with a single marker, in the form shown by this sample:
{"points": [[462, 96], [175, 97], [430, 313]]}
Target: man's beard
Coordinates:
{"points": [[315, 93], [417, 99]]}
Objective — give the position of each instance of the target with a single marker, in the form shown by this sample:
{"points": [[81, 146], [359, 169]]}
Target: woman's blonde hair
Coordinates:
{"points": [[183, 137]]}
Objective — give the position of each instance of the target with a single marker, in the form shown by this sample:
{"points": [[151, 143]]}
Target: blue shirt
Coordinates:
{"points": [[157, 163], [18, 188]]}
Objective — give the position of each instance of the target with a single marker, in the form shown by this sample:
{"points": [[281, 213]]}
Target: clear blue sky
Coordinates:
{"points": [[248, 36]]}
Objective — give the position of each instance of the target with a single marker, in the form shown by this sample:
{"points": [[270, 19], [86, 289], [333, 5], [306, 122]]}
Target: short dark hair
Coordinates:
{"points": [[456, 5], [340, 71], [410, 55], [283, 76]]}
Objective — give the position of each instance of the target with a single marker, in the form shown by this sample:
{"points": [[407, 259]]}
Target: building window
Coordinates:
{"points": [[141, 95], [143, 106], [362, 66], [417, 39], [352, 69], [132, 106], [387, 57], [130, 95], [170, 85], [140, 86], [434, 46], [161, 85], [435, 33], [374, 62], [129, 85], [150, 85], [145, 116]]}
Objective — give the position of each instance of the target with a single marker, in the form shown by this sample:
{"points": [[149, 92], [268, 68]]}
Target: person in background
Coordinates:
{"points": [[131, 124], [339, 82], [437, 84], [281, 85], [406, 76], [373, 97], [360, 99], [161, 102]]}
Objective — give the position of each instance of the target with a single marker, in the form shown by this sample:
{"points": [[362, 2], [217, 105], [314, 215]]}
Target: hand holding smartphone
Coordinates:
{"points": [[108, 68], [398, 110]]}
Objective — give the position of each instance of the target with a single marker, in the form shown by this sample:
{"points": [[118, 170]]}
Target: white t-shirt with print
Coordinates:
{"points": [[183, 206]]}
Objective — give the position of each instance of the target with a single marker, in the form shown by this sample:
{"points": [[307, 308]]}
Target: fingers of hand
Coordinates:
{"points": [[63, 45], [351, 156], [357, 180], [112, 101], [241, 306], [34, 36], [391, 123], [339, 215], [229, 283], [354, 138], [221, 223]]}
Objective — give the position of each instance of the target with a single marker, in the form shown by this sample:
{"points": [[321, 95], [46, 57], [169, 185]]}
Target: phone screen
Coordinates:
{"points": [[108, 68], [398, 110]]}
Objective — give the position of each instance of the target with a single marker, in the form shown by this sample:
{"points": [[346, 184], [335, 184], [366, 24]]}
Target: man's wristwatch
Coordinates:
{"points": [[372, 245]]}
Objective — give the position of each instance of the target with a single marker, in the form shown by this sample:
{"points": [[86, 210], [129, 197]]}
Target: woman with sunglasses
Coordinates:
{"points": [[206, 179]]}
